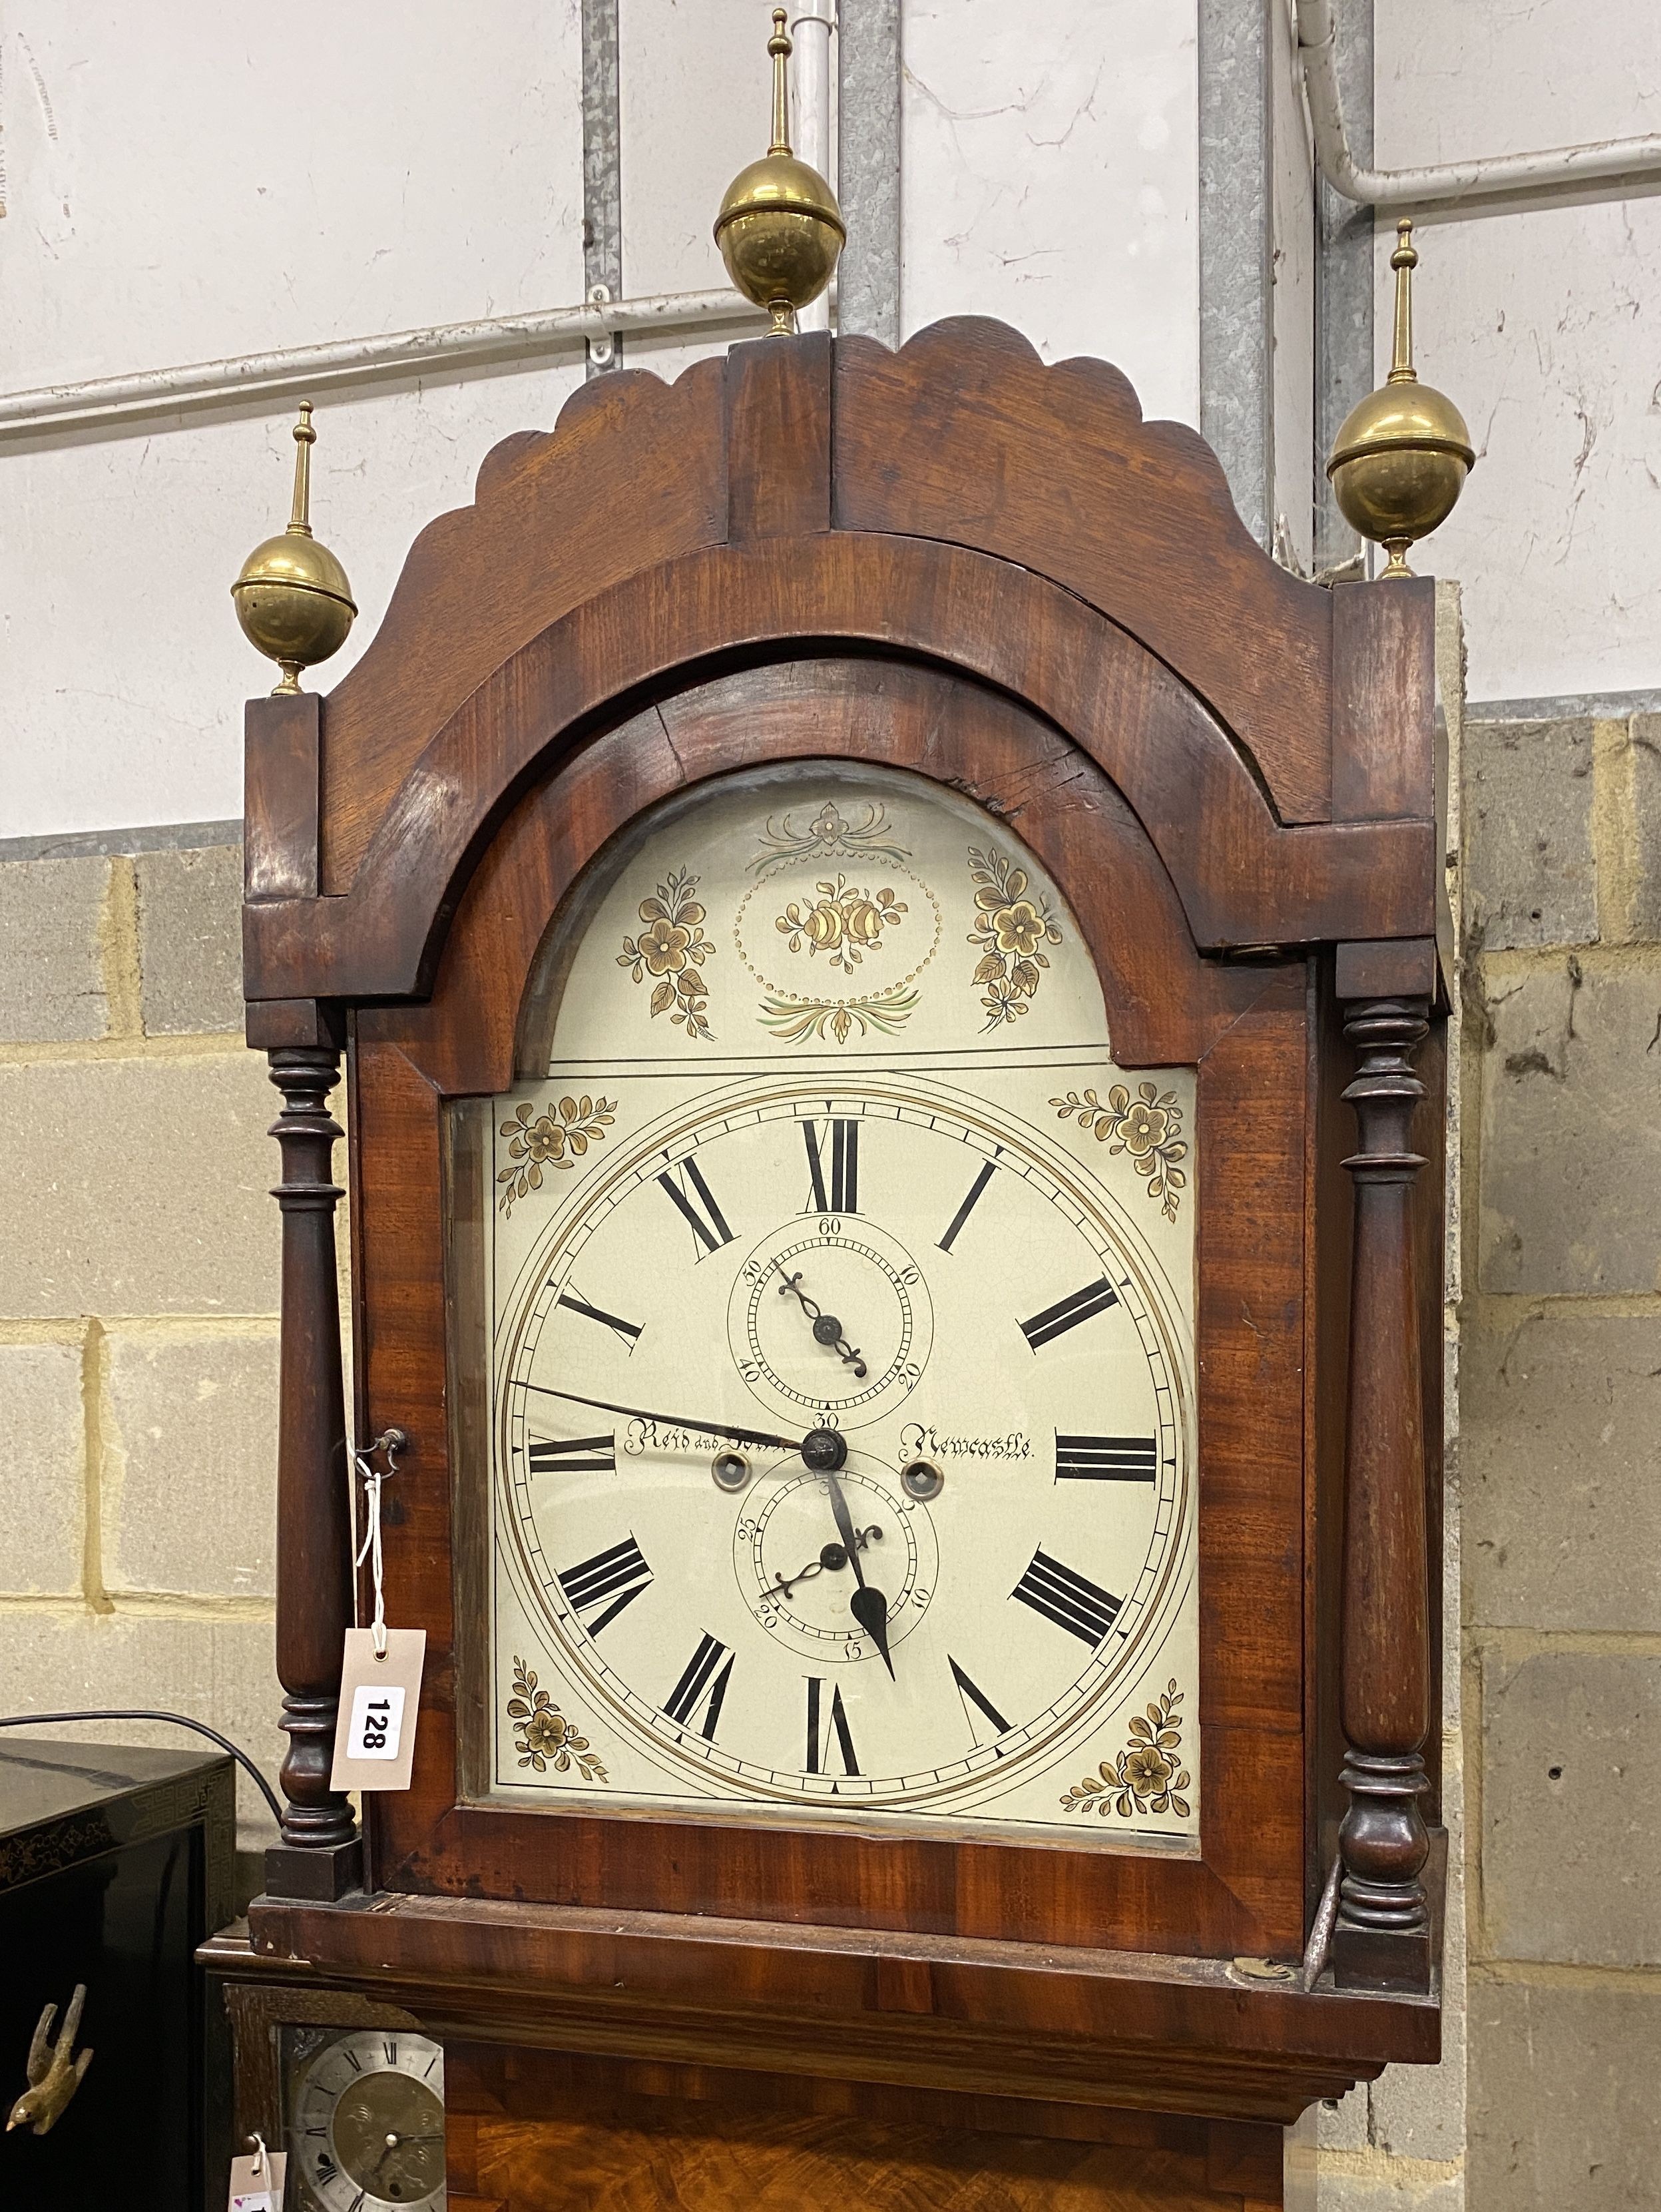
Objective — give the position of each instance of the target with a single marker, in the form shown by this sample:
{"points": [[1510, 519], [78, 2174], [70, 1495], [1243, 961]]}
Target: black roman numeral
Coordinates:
{"points": [[626, 1332], [819, 1734], [701, 1685], [1070, 1599], [392, 2051], [618, 1575], [971, 1695], [968, 1204], [1105, 1459], [697, 1204], [842, 1195], [1067, 1312], [573, 1455]]}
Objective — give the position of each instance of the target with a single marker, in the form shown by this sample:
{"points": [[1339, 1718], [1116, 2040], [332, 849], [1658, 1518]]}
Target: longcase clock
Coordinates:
{"points": [[886, 961]]}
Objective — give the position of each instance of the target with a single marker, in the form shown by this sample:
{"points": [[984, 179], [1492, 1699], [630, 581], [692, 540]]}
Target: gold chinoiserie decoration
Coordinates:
{"points": [[780, 229], [1402, 458], [292, 598]]}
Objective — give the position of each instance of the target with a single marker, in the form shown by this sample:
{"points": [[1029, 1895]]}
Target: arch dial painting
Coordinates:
{"points": [[838, 1295]]}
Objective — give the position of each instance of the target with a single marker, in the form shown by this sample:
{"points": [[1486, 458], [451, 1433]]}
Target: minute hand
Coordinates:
{"points": [[672, 1420]]}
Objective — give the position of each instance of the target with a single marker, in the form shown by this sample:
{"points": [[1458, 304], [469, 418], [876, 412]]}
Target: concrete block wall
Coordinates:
{"points": [[138, 1294], [1561, 1414], [1546, 2097]]}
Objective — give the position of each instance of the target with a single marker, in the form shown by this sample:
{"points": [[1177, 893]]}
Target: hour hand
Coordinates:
{"points": [[868, 1607]]}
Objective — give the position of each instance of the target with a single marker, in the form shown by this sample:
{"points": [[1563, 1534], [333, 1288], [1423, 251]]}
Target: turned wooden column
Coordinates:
{"points": [[1383, 1935], [320, 1855]]}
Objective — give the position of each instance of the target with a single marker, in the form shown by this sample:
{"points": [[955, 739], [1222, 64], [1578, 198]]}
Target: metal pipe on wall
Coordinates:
{"points": [[104, 401], [1498, 176]]}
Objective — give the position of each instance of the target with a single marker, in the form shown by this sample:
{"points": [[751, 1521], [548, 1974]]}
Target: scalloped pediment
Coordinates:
{"points": [[964, 436]]}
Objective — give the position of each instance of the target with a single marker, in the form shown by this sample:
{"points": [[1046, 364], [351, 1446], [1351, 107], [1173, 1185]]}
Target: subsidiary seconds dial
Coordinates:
{"points": [[801, 1289]]}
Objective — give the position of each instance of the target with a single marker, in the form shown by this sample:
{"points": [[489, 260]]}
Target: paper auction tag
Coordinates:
{"points": [[257, 2181], [379, 1701]]}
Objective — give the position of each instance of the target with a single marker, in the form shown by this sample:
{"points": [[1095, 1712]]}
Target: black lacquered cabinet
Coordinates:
{"points": [[114, 1865]]}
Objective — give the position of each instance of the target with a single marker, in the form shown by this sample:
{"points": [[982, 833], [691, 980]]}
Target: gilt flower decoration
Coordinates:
{"points": [[557, 1137], [543, 1736], [1148, 1775], [672, 947], [1012, 925], [1146, 1129]]}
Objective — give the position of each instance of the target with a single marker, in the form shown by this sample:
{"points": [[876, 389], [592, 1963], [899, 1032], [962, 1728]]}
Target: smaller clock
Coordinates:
{"points": [[367, 2123]]}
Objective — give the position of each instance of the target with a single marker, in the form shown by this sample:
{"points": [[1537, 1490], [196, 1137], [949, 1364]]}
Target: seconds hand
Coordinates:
{"points": [[672, 1420]]}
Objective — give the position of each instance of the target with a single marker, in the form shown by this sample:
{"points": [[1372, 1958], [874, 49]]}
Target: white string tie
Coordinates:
{"points": [[374, 1479]]}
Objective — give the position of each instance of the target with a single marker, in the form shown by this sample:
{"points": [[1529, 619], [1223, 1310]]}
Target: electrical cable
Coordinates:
{"points": [[176, 1720]]}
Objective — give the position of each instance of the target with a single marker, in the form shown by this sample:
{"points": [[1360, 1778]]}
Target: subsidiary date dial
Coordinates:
{"points": [[798, 1579]]}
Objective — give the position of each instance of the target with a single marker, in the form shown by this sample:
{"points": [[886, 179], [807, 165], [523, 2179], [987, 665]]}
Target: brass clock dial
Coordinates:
{"points": [[841, 1321], [368, 2124]]}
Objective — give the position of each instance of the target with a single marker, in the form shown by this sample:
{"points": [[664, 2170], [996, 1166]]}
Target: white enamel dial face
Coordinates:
{"points": [[841, 1386], [368, 2124]]}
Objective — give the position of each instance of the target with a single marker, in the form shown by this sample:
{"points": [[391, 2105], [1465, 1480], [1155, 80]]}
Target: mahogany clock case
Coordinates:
{"points": [[1247, 1026], [962, 566]]}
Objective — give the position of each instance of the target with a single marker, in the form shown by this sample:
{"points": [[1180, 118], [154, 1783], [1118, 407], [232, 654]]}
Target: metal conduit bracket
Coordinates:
{"points": [[601, 344]]}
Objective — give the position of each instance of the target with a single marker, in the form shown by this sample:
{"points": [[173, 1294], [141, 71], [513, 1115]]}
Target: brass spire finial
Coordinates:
{"points": [[780, 229], [292, 597], [780, 47], [305, 438], [1402, 458], [1404, 260]]}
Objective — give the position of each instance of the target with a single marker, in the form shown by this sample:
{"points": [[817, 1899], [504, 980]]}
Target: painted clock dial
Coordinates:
{"points": [[839, 1338]]}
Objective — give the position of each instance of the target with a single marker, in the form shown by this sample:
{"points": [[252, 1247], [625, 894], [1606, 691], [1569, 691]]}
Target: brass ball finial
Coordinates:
{"points": [[1402, 458], [780, 229], [292, 597]]}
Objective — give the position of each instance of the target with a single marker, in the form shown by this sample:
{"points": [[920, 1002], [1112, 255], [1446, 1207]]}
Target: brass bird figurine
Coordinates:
{"points": [[55, 2074]]}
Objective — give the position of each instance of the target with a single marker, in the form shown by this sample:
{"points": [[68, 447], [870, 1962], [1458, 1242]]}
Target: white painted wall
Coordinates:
{"points": [[199, 180], [695, 84], [121, 669], [1050, 177], [193, 180], [203, 181], [1544, 325]]}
